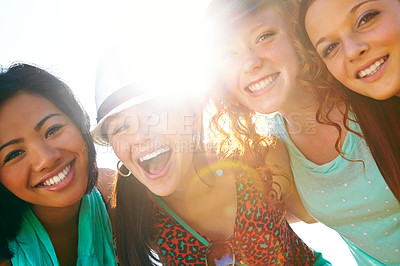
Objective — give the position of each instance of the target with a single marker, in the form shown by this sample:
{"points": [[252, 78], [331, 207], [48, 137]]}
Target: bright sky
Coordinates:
{"points": [[67, 38]]}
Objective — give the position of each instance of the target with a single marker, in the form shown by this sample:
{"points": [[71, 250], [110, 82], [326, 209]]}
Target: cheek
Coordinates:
{"points": [[120, 148], [230, 76], [389, 34], [282, 53], [337, 68], [15, 180]]}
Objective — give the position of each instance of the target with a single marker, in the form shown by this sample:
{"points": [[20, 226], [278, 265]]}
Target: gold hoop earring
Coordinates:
{"points": [[119, 166], [196, 138]]}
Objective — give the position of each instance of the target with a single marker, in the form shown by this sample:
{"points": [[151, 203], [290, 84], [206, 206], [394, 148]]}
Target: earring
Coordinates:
{"points": [[196, 138], [119, 166]]}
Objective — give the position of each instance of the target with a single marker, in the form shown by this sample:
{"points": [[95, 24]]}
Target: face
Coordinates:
{"points": [[44, 159], [258, 62], [359, 41], [155, 142]]}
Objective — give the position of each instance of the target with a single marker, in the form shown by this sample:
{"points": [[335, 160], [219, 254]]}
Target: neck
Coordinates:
{"points": [[300, 109], [199, 183], [57, 219]]}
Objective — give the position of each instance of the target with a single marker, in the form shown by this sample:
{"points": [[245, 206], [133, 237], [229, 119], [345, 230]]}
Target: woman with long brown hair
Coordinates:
{"points": [[51, 211], [263, 67]]}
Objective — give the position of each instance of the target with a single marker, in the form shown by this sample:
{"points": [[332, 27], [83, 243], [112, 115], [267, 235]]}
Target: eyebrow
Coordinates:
{"points": [[14, 141], [352, 11], [37, 128], [41, 122], [319, 41]]}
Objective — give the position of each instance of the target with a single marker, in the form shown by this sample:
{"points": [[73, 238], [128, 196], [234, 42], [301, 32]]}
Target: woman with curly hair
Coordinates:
{"points": [[345, 177]]}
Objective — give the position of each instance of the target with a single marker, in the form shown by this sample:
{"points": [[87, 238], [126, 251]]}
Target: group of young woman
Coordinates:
{"points": [[324, 71]]}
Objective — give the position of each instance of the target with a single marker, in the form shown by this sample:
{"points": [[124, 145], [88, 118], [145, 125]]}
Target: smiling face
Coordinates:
{"points": [[359, 41], [44, 159], [258, 62], [155, 143]]}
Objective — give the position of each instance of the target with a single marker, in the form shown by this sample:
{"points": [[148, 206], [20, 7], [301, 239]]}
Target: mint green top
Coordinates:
{"points": [[354, 201], [32, 245]]}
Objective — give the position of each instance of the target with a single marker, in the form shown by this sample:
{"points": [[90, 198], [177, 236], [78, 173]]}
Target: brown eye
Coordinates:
{"points": [[265, 36], [329, 49], [12, 155], [118, 130], [52, 130], [366, 18]]}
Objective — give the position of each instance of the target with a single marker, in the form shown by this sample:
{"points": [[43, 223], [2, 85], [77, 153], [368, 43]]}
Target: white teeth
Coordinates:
{"points": [[58, 178], [154, 154], [372, 68], [262, 84]]}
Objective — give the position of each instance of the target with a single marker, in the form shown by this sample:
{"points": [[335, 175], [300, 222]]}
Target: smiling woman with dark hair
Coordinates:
{"points": [[51, 212]]}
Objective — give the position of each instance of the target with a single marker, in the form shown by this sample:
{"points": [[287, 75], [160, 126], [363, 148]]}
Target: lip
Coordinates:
{"points": [[264, 90], [377, 74], [64, 183]]}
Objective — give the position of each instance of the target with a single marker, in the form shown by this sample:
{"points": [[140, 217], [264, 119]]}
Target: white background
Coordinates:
{"points": [[67, 37]]}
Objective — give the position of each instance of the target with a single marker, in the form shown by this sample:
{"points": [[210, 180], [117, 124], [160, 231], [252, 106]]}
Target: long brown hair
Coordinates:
{"points": [[378, 120], [31, 79], [131, 214]]}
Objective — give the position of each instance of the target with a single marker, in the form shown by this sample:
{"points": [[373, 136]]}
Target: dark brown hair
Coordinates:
{"points": [[379, 120], [31, 79], [131, 214]]}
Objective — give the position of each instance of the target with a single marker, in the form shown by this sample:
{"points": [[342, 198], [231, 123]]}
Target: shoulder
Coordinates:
{"points": [[278, 159], [105, 182], [278, 155]]}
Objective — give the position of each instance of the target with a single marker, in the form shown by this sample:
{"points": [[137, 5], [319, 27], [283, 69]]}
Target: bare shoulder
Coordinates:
{"points": [[278, 154], [278, 160], [105, 183]]}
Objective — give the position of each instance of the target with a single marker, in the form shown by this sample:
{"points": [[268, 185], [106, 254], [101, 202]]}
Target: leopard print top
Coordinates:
{"points": [[261, 235]]}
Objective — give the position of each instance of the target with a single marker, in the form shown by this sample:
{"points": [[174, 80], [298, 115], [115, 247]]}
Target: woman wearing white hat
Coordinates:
{"points": [[174, 198]]}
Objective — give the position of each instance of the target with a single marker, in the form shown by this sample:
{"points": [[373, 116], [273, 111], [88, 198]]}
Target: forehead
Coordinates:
{"points": [[24, 110], [265, 15], [320, 23], [337, 8]]}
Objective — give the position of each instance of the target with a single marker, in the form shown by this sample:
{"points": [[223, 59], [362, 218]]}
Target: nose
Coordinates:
{"points": [[251, 62], [139, 128], [354, 47], [44, 156]]}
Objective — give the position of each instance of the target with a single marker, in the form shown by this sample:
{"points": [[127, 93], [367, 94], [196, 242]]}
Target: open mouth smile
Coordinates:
{"points": [[262, 84], [156, 161], [373, 68], [57, 178]]}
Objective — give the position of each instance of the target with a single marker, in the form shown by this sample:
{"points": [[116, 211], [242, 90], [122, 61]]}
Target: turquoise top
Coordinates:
{"points": [[32, 245], [353, 200]]}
